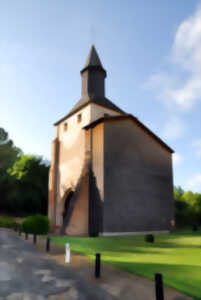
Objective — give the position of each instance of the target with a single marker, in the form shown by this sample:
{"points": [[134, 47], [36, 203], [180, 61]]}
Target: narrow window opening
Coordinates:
{"points": [[65, 126], [79, 118]]}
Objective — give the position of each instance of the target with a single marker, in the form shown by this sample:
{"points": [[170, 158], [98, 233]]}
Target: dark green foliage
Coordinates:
{"points": [[195, 227], [187, 208], [8, 155], [8, 152], [7, 222], [23, 180], [37, 224], [31, 185], [149, 238]]}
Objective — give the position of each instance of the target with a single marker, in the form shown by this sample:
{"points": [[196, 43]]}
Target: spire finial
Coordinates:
{"points": [[93, 59]]}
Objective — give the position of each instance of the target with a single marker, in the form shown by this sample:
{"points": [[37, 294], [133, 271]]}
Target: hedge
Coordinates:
{"points": [[37, 224], [7, 222]]}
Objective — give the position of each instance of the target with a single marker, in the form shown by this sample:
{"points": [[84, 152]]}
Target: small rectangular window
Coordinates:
{"points": [[65, 126], [79, 118]]}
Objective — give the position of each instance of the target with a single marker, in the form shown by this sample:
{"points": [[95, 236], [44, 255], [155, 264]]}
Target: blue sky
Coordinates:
{"points": [[150, 49]]}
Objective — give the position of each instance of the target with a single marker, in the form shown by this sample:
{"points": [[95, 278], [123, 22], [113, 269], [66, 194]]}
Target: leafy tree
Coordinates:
{"points": [[8, 152], [8, 155], [187, 207], [3, 135], [178, 192], [23, 180], [31, 175], [197, 206]]}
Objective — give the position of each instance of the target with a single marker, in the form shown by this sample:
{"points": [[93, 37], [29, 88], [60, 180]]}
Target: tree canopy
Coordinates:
{"points": [[8, 152], [23, 180], [187, 207]]}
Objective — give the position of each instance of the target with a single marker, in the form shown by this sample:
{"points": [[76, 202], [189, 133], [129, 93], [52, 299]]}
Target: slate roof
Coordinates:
{"points": [[135, 120]]}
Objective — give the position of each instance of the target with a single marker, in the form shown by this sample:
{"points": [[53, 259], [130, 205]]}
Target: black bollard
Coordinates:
{"points": [[48, 244], [34, 238], [97, 265], [19, 232], [159, 286], [26, 235]]}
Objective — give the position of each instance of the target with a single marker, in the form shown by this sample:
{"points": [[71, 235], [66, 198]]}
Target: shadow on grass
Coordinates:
{"points": [[91, 249], [129, 246], [183, 278]]}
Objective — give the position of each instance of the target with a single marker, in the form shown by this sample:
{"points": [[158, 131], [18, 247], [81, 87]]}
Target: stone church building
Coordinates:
{"points": [[109, 173]]}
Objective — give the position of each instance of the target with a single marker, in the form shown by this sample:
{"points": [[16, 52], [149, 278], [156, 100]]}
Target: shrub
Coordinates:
{"points": [[195, 227], [149, 238], [37, 224], [7, 222]]}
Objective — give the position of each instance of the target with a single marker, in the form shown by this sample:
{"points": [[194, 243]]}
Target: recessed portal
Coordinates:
{"points": [[67, 205]]}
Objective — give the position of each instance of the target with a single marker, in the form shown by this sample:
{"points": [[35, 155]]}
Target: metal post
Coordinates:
{"points": [[26, 235], [34, 238], [159, 286], [19, 232], [48, 244], [97, 265]]}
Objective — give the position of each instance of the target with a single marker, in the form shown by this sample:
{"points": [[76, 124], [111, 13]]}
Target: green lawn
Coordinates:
{"points": [[176, 256]]}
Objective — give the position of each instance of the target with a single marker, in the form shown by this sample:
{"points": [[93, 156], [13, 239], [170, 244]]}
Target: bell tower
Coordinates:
{"points": [[93, 76]]}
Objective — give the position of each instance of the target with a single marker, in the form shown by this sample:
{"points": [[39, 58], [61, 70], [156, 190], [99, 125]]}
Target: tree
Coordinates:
{"points": [[8, 155], [178, 192], [8, 152], [31, 176], [23, 180], [187, 207]]}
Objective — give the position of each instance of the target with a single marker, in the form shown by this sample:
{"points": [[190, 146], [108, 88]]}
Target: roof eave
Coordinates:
{"points": [[81, 107], [70, 114], [131, 117]]}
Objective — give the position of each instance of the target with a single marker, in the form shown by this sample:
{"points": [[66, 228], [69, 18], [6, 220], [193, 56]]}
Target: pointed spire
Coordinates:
{"points": [[93, 59], [93, 85], [93, 76]]}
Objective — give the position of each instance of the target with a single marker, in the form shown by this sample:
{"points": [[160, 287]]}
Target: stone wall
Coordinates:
{"points": [[70, 166], [138, 186]]}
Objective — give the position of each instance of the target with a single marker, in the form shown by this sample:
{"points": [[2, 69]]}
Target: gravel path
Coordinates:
{"points": [[26, 274]]}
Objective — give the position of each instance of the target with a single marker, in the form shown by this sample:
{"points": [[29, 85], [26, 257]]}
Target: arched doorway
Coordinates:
{"points": [[67, 203], [68, 208]]}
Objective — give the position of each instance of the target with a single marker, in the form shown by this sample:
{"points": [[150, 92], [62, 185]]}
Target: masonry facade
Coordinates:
{"points": [[109, 173]]}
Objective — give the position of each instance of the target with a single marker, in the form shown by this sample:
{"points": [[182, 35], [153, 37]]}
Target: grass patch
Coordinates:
{"points": [[176, 256], [7, 222]]}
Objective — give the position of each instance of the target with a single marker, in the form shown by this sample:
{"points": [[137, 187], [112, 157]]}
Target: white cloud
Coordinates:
{"points": [[194, 183], [177, 158], [197, 146], [173, 129], [186, 55]]}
